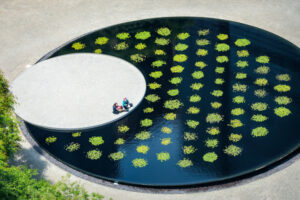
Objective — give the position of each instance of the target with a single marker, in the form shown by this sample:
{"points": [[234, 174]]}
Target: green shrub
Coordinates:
{"points": [[237, 87], [260, 93], [237, 111], [164, 31], [242, 64], [283, 100], [175, 80], [50, 140], [185, 163], [98, 51], [213, 130], [78, 46], [173, 92], [189, 149], [217, 93], [138, 58], [181, 47], [283, 77], [148, 110], [215, 105], [222, 59], [242, 42], [222, 47], [233, 150], [177, 69], [259, 118], [123, 129], [116, 156], [170, 116], [235, 137], [166, 141], [241, 76], [121, 46], [139, 162], [262, 70], [159, 52], [220, 70], [180, 58], [154, 86], [166, 130], [201, 52], [242, 53], [202, 42], [210, 157], [192, 123], [72, 147], [76, 134], [158, 63], [163, 156], [193, 110], [143, 135], [195, 98], [238, 99], [140, 46], [101, 40], [144, 35], [156, 74], [183, 36], [173, 104], [123, 36], [146, 122], [162, 41], [282, 111], [282, 88], [222, 36], [213, 118], [259, 106], [259, 132], [200, 64], [96, 140], [263, 59], [261, 81], [197, 74], [211, 143], [94, 154], [196, 86], [203, 32], [142, 149], [119, 141], [219, 81], [190, 136], [235, 123]]}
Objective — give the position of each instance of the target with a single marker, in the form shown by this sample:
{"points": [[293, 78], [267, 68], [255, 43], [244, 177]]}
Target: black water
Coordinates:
{"points": [[283, 137]]}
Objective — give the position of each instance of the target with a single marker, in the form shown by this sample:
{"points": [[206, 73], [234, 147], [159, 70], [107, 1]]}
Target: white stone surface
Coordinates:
{"points": [[76, 91]]}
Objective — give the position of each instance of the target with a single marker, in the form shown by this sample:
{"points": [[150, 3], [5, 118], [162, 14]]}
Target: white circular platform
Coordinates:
{"points": [[76, 91]]}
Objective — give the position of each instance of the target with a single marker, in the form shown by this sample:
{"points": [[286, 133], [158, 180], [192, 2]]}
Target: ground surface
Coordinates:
{"points": [[30, 29]]}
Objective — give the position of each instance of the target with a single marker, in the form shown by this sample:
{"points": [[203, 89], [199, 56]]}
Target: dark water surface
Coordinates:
{"points": [[257, 152]]}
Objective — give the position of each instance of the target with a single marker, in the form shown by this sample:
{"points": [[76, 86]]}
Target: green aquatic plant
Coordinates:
{"points": [[166, 130], [203, 32], [283, 77], [72, 147], [238, 99], [173, 92], [138, 58], [242, 64], [193, 110], [200, 64], [173, 104], [237, 111], [222, 59], [154, 86], [242, 53], [139, 162], [259, 132], [94, 154], [259, 118], [76, 134], [202, 42], [195, 98], [235, 137], [241, 76], [197, 74], [140, 46], [201, 52], [192, 123], [233, 150], [148, 110], [50, 140], [222, 36], [219, 81], [220, 70], [283, 100], [237, 87], [217, 93], [282, 111], [123, 129], [259, 106], [180, 58], [156, 74], [177, 69], [96, 140], [222, 47], [235, 123], [98, 51], [121, 46], [166, 141], [282, 88], [143, 135], [183, 36], [163, 156], [142, 149], [119, 141], [116, 156], [210, 157], [185, 163], [164, 31], [242, 42], [158, 63], [260, 93], [213, 118], [190, 136], [215, 105], [175, 80], [162, 41], [262, 70], [123, 36], [261, 81], [146, 122], [170, 116], [196, 86], [181, 47], [144, 35], [160, 52], [78, 46], [211, 143], [213, 130], [262, 59], [101, 40], [189, 149]]}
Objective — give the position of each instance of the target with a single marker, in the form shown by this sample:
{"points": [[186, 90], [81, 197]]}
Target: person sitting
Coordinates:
{"points": [[126, 103], [117, 109]]}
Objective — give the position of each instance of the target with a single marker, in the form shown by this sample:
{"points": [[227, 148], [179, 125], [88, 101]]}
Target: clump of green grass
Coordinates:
{"points": [[78, 46], [185, 163], [140, 46], [143, 135], [283, 100], [173, 104], [119, 141], [123, 129], [259, 106], [259, 118], [235, 137], [156, 74], [183, 36], [261, 81], [242, 53], [217, 93], [173, 92], [180, 58], [123, 36], [222, 59], [192, 123], [94, 154], [213, 130], [190, 136], [237, 87], [193, 110], [242, 42], [164, 31], [76, 134], [241, 76], [162, 41], [98, 51], [196, 86], [219, 81], [262, 59], [215, 105], [181, 47], [121, 46], [50, 140], [235, 123], [238, 99], [189, 149], [260, 93], [146, 122], [170, 116], [195, 98], [202, 42], [197, 74], [201, 52], [200, 64], [96, 140], [259, 132], [222, 36], [177, 69], [233, 150], [211, 143], [152, 98], [148, 110], [166, 141], [160, 52], [137, 58], [72, 147], [283, 77], [101, 40], [237, 111], [282, 88], [116, 156], [163, 156], [175, 80], [222, 47], [210, 157], [242, 64], [139, 162], [213, 118], [282, 111], [262, 70], [203, 32], [219, 70], [144, 35], [158, 63], [154, 86], [166, 130], [142, 149]]}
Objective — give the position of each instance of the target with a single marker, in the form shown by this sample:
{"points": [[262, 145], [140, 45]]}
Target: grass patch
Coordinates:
{"points": [[259, 118], [211, 143], [242, 53], [139, 162], [163, 156], [137, 58], [201, 52], [242, 42], [121, 46], [195, 98], [158, 63], [200, 64], [148, 110], [175, 80], [283, 77], [180, 58], [154, 86], [101, 40], [242, 64], [196, 86], [152, 98], [142, 149], [98, 51], [123, 36], [222, 59], [235, 123], [189, 149], [259, 132], [173, 104], [222, 47], [177, 69], [219, 81], [192, 123], [213, 130], [262, 70], [217, 93], [238, 99], [156, 74], [219, 70], [197, 74], [170, 116], [78, 46], [146, 122], [237, 111], [260, 93], [213, 118], [233, 150], [123, 129], [222, 36], [215, 105], [185, 163], [164, 31], [160, 52], [119, 141], [283, 100], [96, 140], [261, 81], [166, 130], [259, 106], [173, 92], [282, 111], [237, 87], [166, 141], [50, 140], [190, 136], [94, 154], [76, 134], [162, 41], [144, 35], [241, 76], [193, 110], [235, 137], [181, 47], [210, 157], [72, 147], [143, 135], [262, 59], [140, 46], [282, 88], [183, 36], [202, 42], [116, 156], [203, 32]]}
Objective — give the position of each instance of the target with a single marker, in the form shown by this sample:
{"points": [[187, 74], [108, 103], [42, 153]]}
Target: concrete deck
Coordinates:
{"points": [[71, 91]]}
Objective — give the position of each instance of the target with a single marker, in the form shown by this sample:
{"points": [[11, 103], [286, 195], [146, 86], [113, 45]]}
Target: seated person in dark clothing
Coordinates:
{"points": [[117, 108], [126, 103]]}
